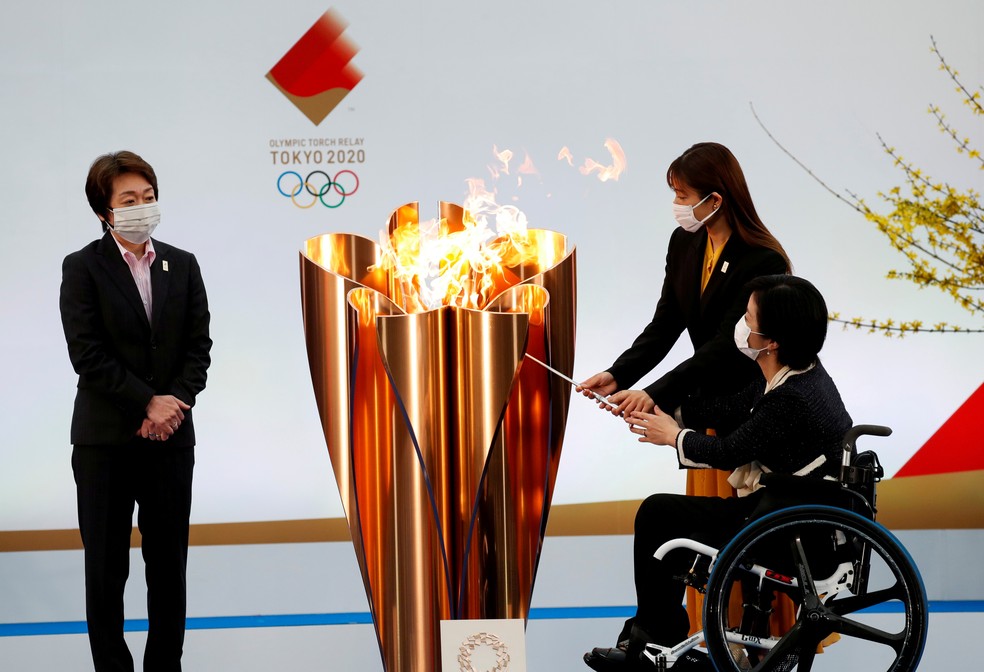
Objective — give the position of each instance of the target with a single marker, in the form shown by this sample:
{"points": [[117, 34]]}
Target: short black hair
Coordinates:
{"points": [[791, 312], [105, 169]]}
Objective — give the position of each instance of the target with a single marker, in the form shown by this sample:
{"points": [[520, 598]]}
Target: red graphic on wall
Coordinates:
{"points": [[956, 446], [316, 73]]}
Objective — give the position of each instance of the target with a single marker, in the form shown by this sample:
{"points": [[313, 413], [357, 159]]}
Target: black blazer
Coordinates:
{"points": [[121, 358], [716, 367]]}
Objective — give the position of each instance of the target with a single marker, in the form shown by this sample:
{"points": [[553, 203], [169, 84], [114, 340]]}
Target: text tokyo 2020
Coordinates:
{"points": [[317, 156]]}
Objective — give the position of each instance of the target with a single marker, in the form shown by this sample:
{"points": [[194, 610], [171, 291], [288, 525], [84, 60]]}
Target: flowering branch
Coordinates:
{"points": [[937, 228]]}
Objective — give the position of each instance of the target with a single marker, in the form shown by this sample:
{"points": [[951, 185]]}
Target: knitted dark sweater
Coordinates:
{"points": [[785, 430]]}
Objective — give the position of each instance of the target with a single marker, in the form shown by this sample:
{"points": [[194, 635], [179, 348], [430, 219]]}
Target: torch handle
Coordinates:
{"points": [[570, 380]]}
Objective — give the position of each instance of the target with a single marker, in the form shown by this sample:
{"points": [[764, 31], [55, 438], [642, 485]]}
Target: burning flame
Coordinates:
{"points": [[436, 264], [441, 263], [504, 157], [605, 173], [525, 168]]}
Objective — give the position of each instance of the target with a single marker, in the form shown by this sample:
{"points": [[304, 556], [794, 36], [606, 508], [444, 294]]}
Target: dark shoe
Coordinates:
{"points": [[626, 657], [603, 659]]}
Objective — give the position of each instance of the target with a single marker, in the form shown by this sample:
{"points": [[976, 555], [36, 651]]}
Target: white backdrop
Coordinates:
{"points": [[183, 84]]}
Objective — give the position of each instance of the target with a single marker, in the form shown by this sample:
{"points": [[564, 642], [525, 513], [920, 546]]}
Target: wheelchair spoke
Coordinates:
{"points": [[805, 576], [806, 659], [788, 646], [800, 552], [850, 628], [851, 604]]}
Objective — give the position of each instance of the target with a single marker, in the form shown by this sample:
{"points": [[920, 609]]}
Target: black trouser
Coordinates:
{"points": [[109, 481], [660, 614]]}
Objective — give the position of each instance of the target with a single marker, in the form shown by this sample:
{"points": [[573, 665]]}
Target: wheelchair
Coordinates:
{"points": [[818, 544]]}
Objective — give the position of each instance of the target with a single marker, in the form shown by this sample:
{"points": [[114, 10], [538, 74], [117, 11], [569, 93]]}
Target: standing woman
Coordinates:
{"points": [[720, 244], [136, 321]]}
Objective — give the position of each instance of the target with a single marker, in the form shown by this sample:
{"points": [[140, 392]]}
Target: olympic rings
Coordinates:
{"points": [[307, 182], [317, 193], [354, 189]]}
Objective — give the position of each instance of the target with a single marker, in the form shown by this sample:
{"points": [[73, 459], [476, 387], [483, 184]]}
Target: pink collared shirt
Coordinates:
{"points": [[140, 270]]}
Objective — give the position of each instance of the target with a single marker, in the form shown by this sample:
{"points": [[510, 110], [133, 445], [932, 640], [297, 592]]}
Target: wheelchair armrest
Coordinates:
{"points": [[864, 470], [851, 440]]}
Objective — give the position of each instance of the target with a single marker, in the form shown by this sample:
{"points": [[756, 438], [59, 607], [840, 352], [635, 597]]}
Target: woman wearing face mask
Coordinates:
{"points": [[136, 322], [719, 245], [791, 420]]}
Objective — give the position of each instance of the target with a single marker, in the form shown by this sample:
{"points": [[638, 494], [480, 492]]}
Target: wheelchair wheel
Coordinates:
{"points": [[844, 573]]}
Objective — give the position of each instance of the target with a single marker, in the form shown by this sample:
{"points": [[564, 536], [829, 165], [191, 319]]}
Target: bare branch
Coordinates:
{"points": [[801, 164]]}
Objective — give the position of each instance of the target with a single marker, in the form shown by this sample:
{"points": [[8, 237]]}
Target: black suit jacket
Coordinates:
{"points": [[716, 367], [122, 358]]}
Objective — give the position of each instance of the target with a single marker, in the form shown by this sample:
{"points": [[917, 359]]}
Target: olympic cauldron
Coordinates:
{"points": [[443, 439]]}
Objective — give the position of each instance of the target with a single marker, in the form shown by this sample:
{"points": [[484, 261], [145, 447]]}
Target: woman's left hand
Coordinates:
{"points": [[657, 427]]}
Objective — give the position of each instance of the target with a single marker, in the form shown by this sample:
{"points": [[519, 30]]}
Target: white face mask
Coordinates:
{"points": [[742, 332], [684, 215], [137, 222]]}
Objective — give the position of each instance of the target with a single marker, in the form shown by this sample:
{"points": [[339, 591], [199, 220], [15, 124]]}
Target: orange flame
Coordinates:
{"points": [[611, 172], [525, 168], [467, 264], [504, 157], [435, 264], [566, 154]]}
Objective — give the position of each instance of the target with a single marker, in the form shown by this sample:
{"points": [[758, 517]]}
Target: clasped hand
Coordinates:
{"points": [[636, 407], [164, 415], [657, 427]]}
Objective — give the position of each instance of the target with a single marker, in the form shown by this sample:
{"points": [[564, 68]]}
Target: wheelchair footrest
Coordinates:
{"points": [[696, 577], [662, 658]]}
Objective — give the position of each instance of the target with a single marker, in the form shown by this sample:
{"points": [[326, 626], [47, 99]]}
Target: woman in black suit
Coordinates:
{"points": [[719, 245], [136, 321]]}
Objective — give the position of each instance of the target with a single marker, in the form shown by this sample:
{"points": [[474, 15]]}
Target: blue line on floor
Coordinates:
{"points": [[364, 618]]}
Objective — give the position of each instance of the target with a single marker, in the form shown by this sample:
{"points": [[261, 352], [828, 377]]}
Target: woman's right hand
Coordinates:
{"points": [[601, 383], [630, 401]]}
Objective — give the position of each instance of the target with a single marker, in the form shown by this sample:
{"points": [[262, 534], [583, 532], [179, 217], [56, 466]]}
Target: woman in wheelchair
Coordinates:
{"points": [[791, 421]]}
